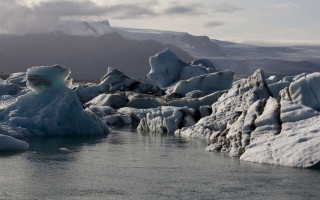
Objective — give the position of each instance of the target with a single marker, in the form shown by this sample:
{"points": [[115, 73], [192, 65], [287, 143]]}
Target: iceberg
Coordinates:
{"points": [[229, 106], [143, 101], [205, 63], [2, 82], [19, 78], [113, 100], [195, 70], [292, 139], [259, 120], [196, 94], [208, 83], [167, 68], [114, 81], [275, 88], [51, 108], [306, 90], [8, 143], [9, 89], [166, 119]]}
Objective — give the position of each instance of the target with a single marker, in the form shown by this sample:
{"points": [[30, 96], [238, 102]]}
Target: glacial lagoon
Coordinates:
{"points": [[129, 165]]}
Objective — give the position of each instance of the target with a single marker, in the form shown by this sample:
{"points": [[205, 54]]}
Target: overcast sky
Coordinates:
{"points": [[247, 21]]}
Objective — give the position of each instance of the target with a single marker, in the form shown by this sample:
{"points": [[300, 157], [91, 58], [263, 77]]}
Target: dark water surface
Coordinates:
{"points": [[127, 165]]}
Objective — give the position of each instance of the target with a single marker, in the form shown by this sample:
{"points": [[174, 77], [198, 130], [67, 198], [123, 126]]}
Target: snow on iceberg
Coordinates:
{"points": [[51, 108], [8, 143]]}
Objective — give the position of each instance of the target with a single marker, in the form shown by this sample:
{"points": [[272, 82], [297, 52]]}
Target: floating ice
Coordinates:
{"points": [[113, 100], [167, 68], [2, 81], [204, 62], [19, 78], [166, 119], [195, 94], [230, 105], [293, 141], [148, 101], [9, 89], [306, 90], [275, 88], [47, 78], [8, 143], [112, 81], [195, 70], [50, 109], [207, 83]]}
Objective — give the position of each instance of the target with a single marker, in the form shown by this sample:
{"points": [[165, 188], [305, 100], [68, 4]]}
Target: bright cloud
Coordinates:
{"points": [[235, 20]]}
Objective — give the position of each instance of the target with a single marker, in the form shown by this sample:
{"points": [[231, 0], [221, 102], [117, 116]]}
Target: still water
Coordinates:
{"points": [[127, 165]]}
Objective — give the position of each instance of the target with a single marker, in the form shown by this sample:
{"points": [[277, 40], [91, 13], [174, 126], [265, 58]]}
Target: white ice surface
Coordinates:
{"points": [[296, 144], [306, 90]]}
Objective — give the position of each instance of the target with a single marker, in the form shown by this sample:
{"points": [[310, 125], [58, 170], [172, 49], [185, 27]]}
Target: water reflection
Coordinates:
{"points": [[53, 145], [10, 153]]}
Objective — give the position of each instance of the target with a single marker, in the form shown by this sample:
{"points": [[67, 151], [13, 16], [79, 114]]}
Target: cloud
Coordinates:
{"points": [[41, 17], [214, 24], [179, 9], [129, 11], [226, 8], [280, 7]]}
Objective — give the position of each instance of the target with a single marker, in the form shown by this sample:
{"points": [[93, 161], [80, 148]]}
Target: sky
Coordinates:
{"points": [[282, 22]]}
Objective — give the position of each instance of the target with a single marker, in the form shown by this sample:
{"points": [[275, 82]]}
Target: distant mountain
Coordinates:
{"points": [[87, 56], [241, 58], [89, 47]]}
